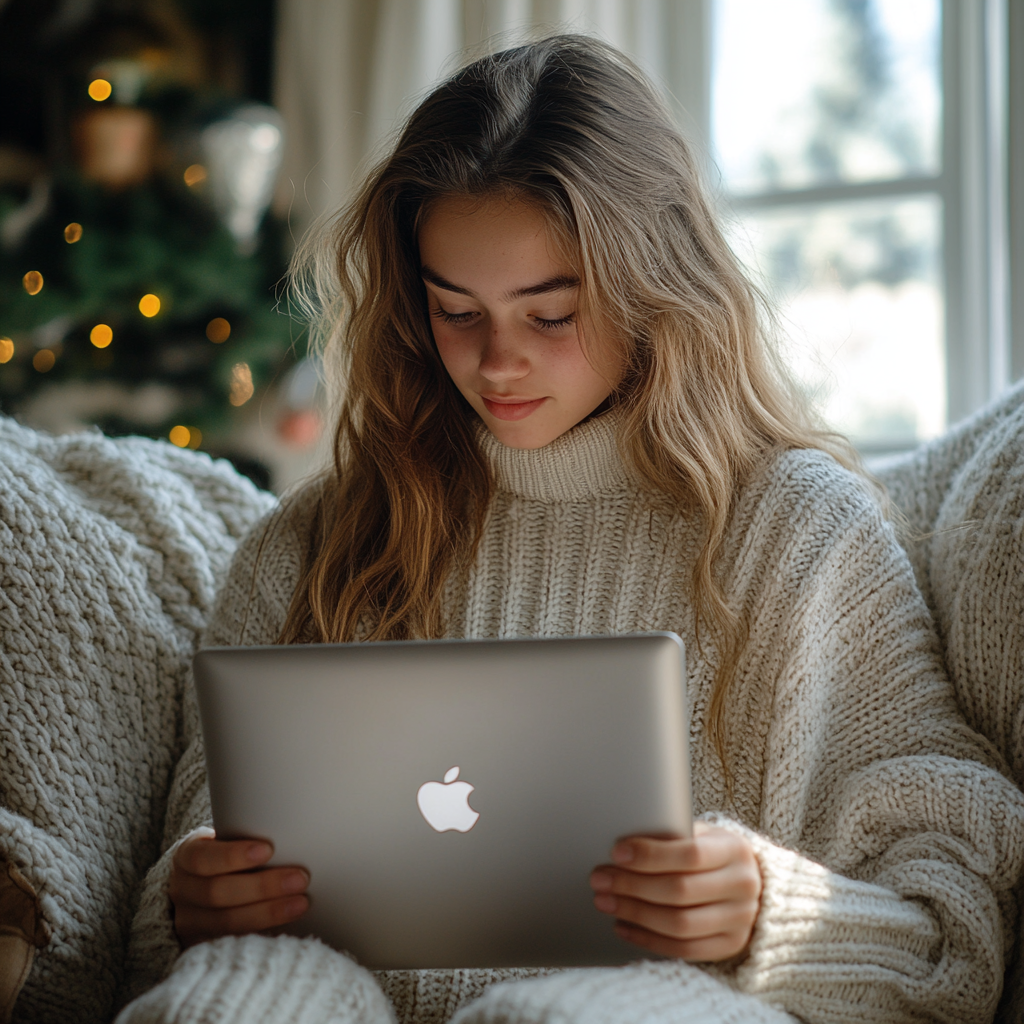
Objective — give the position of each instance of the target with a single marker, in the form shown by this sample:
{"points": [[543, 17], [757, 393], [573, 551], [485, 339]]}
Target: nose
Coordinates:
{"points": [[501, 359]]}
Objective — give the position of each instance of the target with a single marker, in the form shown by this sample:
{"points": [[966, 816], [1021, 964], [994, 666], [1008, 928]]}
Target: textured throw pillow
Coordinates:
{"points": [[110, 555]]}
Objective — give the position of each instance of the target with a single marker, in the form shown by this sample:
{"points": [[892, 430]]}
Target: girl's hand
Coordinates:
{"points": [[216, 890], [696, 899]]}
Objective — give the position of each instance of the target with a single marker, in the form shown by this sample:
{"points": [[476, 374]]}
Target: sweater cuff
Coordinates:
{"points": [[815, 923], [666, 991], [153, 946], [253, 979]]}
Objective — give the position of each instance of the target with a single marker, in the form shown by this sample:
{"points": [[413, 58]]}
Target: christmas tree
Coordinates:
{"points": [[138, 267]]}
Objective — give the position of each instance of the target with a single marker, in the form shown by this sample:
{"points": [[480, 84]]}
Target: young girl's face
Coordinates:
{"points": [[502, 303]]}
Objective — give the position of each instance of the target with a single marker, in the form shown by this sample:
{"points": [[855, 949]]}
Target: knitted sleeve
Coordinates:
{"points": [[888, 840], [250, 609]]}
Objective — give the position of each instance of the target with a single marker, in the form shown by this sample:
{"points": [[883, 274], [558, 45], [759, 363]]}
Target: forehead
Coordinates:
{"points": [[476, 234]]}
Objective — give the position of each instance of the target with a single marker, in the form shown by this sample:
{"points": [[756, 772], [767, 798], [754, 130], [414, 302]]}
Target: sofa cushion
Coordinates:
{"points": [[110, 555]]}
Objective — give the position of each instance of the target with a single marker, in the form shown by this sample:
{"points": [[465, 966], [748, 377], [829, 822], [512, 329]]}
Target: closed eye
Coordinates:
{"points": [[452, 318], [554, 325]]}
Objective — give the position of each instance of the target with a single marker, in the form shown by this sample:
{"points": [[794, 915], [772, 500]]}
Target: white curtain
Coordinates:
{"points": [[349, 71]]}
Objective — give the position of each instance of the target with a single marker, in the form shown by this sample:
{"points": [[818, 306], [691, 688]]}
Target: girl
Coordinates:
{"points": [[560, 416]]}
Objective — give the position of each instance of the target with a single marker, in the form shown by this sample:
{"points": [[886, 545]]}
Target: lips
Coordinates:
{"points": [[511, 409]]}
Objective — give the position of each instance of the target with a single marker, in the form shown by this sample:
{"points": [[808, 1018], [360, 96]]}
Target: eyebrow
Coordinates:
{"points": [[558, 283]]}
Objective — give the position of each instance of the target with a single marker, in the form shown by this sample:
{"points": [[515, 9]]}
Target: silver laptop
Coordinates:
{"points": [[450, 798]]}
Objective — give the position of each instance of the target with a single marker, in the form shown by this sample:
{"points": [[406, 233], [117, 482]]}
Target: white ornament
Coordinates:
{"points": [[243, 154]]}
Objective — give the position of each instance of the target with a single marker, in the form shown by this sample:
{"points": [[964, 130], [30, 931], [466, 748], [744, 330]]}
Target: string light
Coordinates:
{"points": [[32, 282], [195, 174], [100, 89], [218, 330], [180, 436], [72, 233], [241, 384], [185, 437], [149, 305], [101, 335], [43, 360], [6, 350]]}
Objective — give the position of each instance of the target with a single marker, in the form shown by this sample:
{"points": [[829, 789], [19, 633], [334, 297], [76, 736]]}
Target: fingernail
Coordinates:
{"points": [[603, 901], [294, 881], [623, 932], [296, 905], [600, 880], [623, 853], [258, 852]]}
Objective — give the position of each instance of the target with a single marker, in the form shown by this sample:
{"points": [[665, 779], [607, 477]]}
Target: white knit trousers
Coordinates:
{"points": [[257, 980]]}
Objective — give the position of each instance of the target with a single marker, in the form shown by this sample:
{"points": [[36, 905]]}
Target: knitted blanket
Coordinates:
{"points": [[111, 552]]}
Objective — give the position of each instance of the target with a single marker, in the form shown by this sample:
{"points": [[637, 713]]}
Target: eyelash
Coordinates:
{"points": [[541, 323]]}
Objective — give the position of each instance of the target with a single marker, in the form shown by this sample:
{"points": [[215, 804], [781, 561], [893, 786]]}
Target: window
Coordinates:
{"points": [[825, 124], [862, 145]]}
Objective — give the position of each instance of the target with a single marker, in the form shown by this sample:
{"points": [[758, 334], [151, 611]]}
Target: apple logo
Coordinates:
{"points": [[445, 805]]}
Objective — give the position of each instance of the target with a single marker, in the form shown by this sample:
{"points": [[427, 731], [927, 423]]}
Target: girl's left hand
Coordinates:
{"points": [[696, 899]]}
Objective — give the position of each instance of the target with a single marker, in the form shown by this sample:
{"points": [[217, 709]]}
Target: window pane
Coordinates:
{"points": [[817, 92], [857, 285]]}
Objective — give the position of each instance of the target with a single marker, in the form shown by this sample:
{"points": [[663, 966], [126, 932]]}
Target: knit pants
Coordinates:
{"points": [[257, 980]]}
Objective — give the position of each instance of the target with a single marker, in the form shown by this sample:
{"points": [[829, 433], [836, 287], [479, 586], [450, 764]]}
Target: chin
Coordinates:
{"points": [[527, 438], [519, 435]]}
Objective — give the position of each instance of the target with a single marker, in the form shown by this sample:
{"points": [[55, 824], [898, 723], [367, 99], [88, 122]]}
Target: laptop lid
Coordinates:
{"points": [[450, 798]]}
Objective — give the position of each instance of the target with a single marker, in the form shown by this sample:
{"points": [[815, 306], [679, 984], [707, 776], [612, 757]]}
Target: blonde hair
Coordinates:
{"points": [[571, 125]]}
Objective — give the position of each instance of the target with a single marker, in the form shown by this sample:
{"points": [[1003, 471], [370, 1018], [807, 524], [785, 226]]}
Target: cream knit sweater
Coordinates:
{"points": [[888, 840]]}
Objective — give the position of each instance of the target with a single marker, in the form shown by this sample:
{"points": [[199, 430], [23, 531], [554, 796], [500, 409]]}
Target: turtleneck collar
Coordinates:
{"points": [[579, 465]]}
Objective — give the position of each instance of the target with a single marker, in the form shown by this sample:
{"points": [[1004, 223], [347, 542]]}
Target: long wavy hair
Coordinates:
{"points": [[571, 125]]}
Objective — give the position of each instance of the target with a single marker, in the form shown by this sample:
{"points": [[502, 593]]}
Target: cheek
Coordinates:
{"points": [[600, 373], [456, 352]]}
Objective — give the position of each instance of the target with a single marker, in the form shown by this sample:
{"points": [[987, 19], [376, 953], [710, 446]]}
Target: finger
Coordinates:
{"points": [[736, 881], [197, 924], [681, 922], [206, 856], [236, 890], [712, 949], [705, 852]]}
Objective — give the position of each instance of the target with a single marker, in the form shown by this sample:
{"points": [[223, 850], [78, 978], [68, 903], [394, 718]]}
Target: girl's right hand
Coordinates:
{"points": [[216, 890]]}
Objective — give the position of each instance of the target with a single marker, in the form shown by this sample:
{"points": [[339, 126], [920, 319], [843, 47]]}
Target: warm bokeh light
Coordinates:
{"points": [[101, 335], [149, 305], [72, 233], [194, 174], [32, 282], [218, 330], [43, 360], [100, 89], [241, 384], [195, 437], [180, 436], [6, 350]]}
